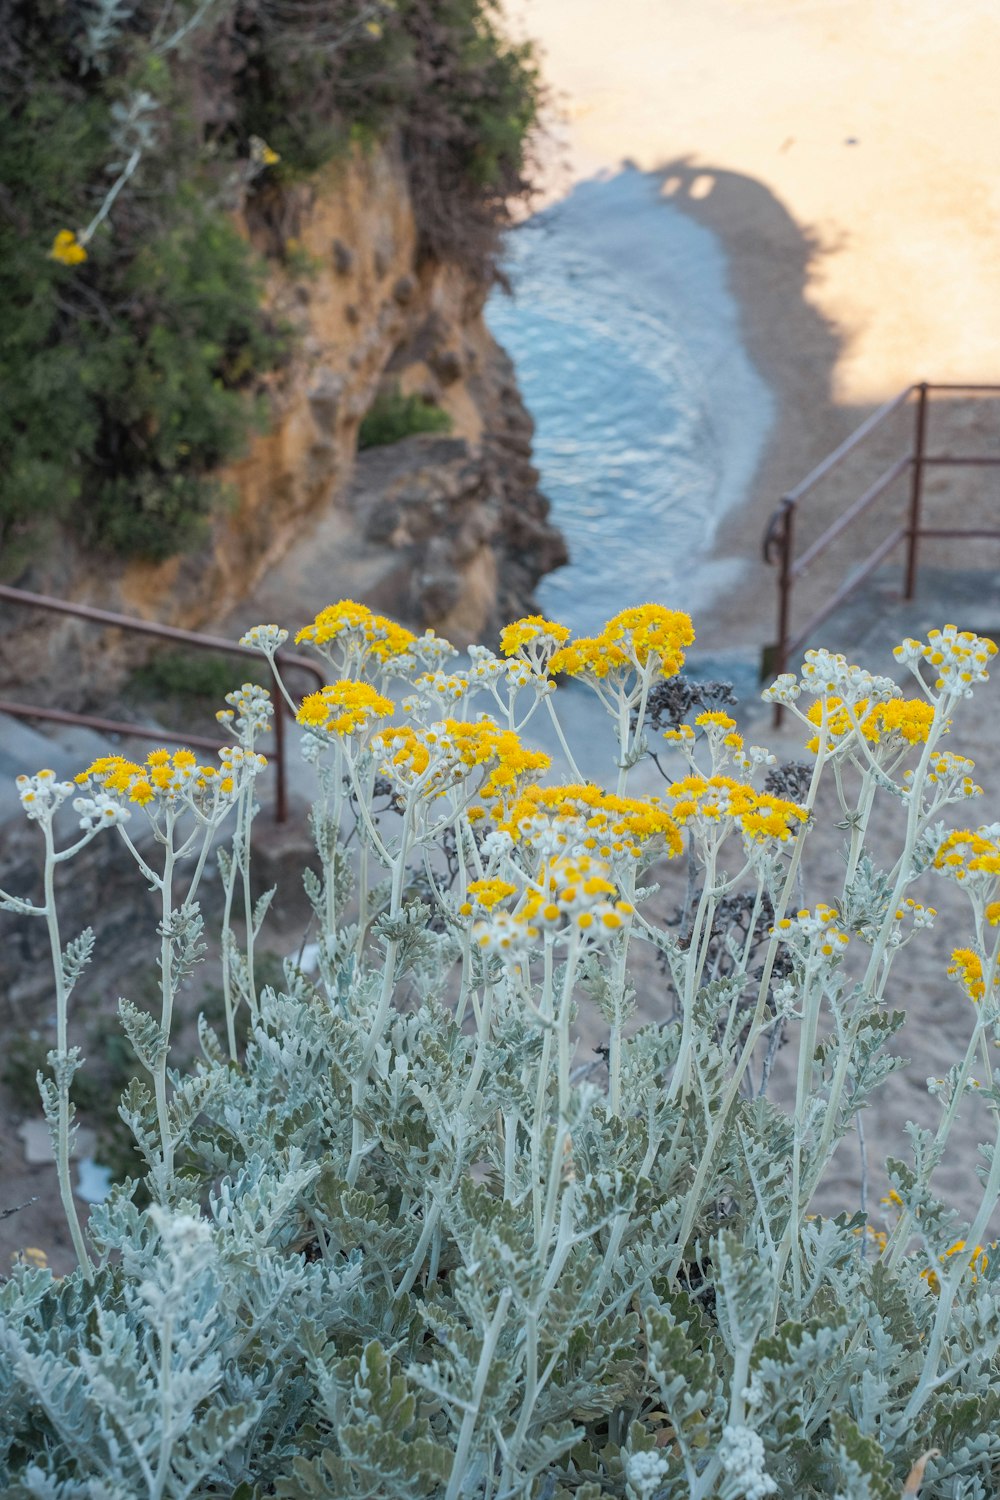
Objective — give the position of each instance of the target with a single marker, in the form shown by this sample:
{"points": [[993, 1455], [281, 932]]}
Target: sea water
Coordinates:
{"points": [[650, 418]]}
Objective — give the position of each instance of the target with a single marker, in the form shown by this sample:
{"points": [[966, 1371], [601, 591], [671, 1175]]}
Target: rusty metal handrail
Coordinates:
{"points": [[194, 638], [779, 536]]}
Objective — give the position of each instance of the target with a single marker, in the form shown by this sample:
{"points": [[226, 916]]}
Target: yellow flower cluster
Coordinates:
{"points": [[345, 707], [453, 749], [404, 751], [603, 823], [719, 726], [706, 800], [484, 895], [967, 852], [42, 794], [453, 685], [818, 927], [66, 249], [959, 657], [265, 638], [910, 718], [945, 764], [648, 633], [917, 913], [532, 631], [575, 892], [484, 743], [894, 719], [572, 897], [168, 778], [250, 709], [877, 1238], [967, 968], [363, 635]]}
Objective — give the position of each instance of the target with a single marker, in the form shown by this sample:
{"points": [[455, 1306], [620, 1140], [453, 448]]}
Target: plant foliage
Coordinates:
{"points": [[401, 1244], [392, 416], [130, 132]]}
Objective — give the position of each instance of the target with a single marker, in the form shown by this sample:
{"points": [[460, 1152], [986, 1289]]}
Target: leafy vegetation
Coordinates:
{"points": [[192, 683], [130, 133], [392, 416], [400, 1240]]}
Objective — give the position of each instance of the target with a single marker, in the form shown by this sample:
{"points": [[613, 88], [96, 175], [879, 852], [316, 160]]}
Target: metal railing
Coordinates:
{"points": [[167, 633], [779, 538]]}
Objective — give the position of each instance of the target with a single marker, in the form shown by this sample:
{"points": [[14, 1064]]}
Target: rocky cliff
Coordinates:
{"points": [[449, 531]]}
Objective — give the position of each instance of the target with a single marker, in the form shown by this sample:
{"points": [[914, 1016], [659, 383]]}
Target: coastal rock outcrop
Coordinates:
{"points": [[459, 520]]}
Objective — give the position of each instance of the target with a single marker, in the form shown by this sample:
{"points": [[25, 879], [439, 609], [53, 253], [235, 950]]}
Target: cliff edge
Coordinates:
{"points": [[448, 531]]}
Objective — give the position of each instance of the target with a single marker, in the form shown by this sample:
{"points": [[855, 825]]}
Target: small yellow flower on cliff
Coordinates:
{"points": [[66, 249], [261, 154]]}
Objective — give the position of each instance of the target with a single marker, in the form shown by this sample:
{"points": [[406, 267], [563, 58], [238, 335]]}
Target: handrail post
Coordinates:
{"points": [[785, 580], [281, 788], [916, 492]]}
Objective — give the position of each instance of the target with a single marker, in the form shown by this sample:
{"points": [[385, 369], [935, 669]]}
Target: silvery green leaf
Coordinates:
{"points": [[144, 1033], [862, 1465], [76, 956], [209, 1042], [183, 932], [313, 887], [261, 909]]}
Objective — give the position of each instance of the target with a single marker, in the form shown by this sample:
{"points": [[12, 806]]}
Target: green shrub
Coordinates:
{"points": [[193, 674], [405, 1245], [132, 354], [392, 416]]}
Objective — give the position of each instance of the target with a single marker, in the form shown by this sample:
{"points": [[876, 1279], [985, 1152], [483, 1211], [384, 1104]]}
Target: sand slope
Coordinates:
{"points": [[873, 122]]}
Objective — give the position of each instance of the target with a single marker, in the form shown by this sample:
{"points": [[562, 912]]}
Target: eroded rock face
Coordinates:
{"points": [[454, 530], [462, 527]]}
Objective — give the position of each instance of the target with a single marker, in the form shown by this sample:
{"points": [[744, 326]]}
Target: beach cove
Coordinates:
{"points": [[842, 154]]}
